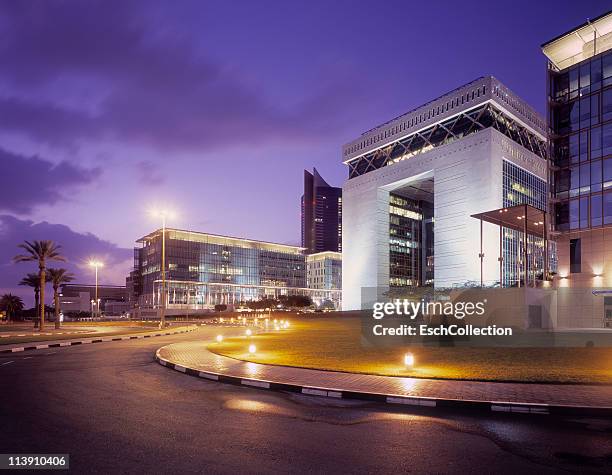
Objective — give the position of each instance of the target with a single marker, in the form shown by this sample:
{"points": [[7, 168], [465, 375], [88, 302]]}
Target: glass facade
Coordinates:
{"points": [[204, 269], [581, 119], [454, 128], [522, 187], [324, 270], [410, 242]]}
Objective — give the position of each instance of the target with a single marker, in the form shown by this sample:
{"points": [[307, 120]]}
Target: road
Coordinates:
{"points": [[115, 410]]}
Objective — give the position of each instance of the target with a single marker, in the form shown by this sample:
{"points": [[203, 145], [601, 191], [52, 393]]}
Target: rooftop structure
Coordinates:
{"points": [[580, 43]]}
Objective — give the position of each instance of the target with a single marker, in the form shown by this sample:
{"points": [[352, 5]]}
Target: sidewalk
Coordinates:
{"points": [[39, 345], [193, 358]]}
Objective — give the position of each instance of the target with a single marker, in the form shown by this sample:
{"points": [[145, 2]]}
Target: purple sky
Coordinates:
{"points": [[214, 108]]}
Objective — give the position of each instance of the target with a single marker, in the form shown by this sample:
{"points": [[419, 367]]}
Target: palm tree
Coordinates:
{"points": [[32, 280], [57, 278], [41, 252], [11, 304]]}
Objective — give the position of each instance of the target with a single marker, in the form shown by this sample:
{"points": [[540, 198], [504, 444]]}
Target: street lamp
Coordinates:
{"points": [[163, 214], [96, 264]]}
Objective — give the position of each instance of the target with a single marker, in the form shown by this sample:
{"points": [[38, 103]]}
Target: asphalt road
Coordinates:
{"points": [[115, 410]]}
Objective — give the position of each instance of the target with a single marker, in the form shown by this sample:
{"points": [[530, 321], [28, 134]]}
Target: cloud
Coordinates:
{"points": [[151, 85], [29, 182], [78, 248]]}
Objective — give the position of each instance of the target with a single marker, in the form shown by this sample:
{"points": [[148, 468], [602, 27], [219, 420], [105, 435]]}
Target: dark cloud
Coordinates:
{"points": [[29, 182], [155, 86], [78, 248]]}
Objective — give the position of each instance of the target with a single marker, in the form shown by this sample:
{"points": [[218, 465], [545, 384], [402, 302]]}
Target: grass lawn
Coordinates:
{"points": [[334, 343]]}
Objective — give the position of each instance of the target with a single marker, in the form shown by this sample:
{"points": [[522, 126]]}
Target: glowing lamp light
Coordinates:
{"points": [[219, 338], [221, 319], [409, 360], [252, 349], [248, 332]]}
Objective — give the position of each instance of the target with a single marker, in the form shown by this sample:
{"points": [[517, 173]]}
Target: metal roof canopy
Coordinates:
{"points": [[577, 44], [514, 218]]}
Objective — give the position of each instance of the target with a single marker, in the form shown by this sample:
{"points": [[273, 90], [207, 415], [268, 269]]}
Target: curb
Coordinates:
{"points": [[91, 340], [427, 402]]}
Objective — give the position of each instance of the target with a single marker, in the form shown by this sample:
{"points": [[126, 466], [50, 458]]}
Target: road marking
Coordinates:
{"points": [[28, 357], [8, 362], [15, 350], [411, 401], [257, 384], [202, 374]]}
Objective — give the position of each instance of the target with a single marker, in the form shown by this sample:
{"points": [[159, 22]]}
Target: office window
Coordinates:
{"points": [[584, 212], [585, 78], [607, 207], [596, 210], [595, 143], [607, 69], [596, 74], [585, 112], [596, 175], [594, 109], [607, 172], [606, 106], [585, 178], [575, 256], [607, 139], [574, 181], [573, 80], [584, 145], [574, 214]]}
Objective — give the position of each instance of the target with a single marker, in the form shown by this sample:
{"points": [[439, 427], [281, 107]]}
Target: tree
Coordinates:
{"points": [[57, 278], [41, 252], [11, 304], [33, 280]]}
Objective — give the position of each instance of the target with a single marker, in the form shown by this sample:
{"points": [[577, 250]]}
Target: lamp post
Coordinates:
{"points": [[95, 265]]}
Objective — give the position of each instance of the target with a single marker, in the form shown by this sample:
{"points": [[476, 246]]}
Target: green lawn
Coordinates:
{"points": [[333, 343]]}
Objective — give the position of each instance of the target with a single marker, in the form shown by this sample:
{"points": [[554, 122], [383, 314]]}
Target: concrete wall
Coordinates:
{"points": [[577, 306]]}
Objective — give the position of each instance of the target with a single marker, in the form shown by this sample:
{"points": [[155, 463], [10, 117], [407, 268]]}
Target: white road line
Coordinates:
{"points": [[8, 362], [28, 357]]}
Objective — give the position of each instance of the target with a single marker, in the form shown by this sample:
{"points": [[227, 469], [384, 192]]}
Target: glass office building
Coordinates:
{"points": [[321, 208], [580, 118], [580, 99], [203, 270]]}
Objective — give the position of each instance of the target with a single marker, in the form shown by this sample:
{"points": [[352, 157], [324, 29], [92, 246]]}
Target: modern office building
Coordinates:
{"points": [[580, 119], [324, 277], [79, 298], [321, 215], [416, 183], [204, 269], [324, 270]]}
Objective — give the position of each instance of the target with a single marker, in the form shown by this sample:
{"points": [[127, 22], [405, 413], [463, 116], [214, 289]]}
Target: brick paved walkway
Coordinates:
{"points": [[194, 355]]}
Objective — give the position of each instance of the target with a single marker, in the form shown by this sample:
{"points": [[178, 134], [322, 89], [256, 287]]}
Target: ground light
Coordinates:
{"points": [[248, 332], [219, 338], [252, 349], [409, 359]]}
